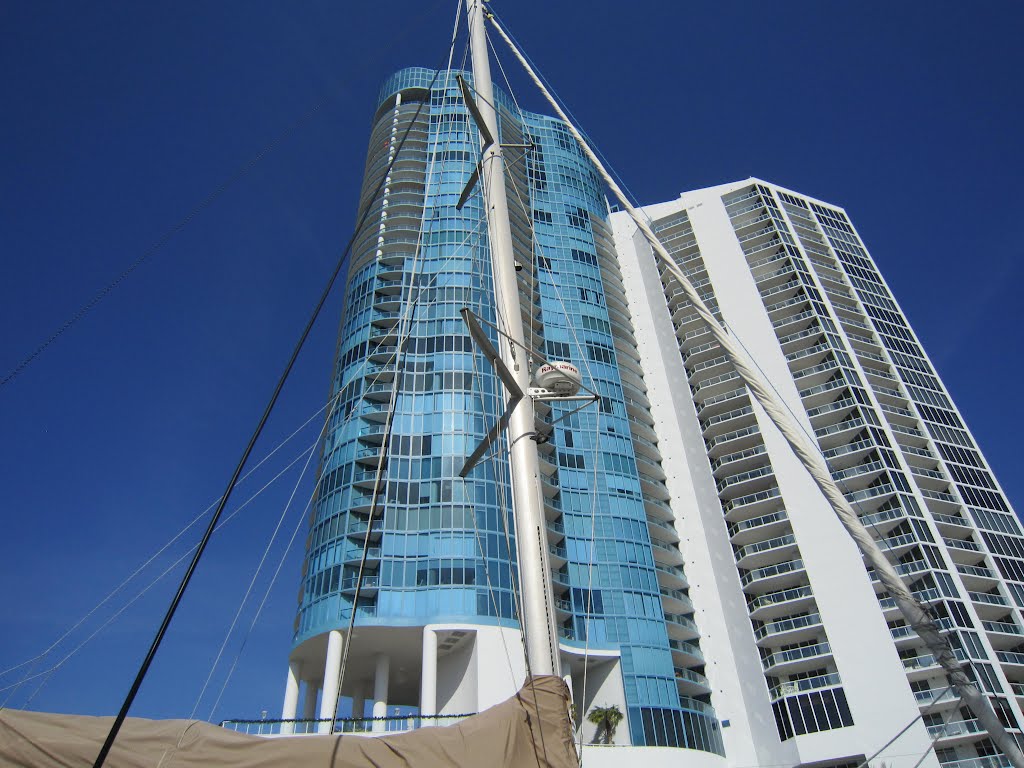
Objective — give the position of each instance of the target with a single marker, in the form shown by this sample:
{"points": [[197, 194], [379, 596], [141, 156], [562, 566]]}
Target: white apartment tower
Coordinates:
{"points": [[809, 661]]}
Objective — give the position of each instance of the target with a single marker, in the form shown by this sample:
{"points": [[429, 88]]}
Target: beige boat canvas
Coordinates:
{"points": [[530, 730]]}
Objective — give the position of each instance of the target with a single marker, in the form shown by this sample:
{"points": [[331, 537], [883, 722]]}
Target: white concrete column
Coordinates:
{"points": [[309, 702], [567, 677], [380, 691], [332, 670], [291, 696], [359, 700], [428, 679]]}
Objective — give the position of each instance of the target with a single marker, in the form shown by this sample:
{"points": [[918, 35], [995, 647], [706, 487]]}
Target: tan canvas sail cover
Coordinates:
{"points": [[530, 730]]}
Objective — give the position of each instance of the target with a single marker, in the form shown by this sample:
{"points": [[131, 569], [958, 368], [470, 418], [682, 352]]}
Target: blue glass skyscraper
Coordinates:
{"points": [[432, 579]]}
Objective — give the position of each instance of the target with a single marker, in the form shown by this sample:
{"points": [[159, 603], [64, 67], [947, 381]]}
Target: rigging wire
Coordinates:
{"points": [[155, 581], [597, 427], [156, 554], [568, 112], [911, 608], [306, 117], [162, 631], [263, 559], [491, 459], [866, 762], [399, 361]]}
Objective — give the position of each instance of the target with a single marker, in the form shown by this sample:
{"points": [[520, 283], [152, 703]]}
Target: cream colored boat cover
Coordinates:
{"points": [[530, 730]]}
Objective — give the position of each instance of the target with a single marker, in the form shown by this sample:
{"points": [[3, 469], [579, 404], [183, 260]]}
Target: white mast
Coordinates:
{"points": [[531, 540]]}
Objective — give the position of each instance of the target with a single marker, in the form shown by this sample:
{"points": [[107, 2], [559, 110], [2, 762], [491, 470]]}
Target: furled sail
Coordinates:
{"points": [[532, 730]]}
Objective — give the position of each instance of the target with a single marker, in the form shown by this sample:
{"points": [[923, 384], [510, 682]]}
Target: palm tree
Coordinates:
{"points": [[606, 719]]}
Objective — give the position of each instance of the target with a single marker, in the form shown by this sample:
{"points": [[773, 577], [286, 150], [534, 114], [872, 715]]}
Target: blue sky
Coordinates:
{"points": [[122, 117]]}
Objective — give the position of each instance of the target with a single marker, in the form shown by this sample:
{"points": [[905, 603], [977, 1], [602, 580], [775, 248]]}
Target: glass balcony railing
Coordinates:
{"points": [[807, 684], [778, 598], [781, 626], [955, 728], [779, 569], [796, 654], [751, 498], [988, 761]]}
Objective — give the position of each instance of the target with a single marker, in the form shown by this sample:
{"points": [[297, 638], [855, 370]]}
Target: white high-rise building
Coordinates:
{"points": [[808, 660]]}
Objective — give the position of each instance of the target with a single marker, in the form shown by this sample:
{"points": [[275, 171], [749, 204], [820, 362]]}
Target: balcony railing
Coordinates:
{"points": [[751, 498], [777, 598], [955, 728], [787, 625], [367, 725], [769, 571], [807, 684], [796, 654]]}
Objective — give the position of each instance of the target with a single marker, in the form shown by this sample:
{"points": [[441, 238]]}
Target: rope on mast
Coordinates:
{"points": [[915, 613]]}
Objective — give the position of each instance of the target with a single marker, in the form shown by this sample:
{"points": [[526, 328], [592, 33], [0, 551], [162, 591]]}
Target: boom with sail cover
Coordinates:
{"points": [[529, 730]]}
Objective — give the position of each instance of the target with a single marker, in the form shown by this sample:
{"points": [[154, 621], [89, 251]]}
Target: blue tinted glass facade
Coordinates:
{"points": [[441, 548], [614, 592]]}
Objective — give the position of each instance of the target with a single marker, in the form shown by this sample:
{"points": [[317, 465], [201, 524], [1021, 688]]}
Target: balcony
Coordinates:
{"points": [[671, 576], [763, 552], [710, 424], [955, 729], [943, 520], [776, 576], [743, 480], [714, 384], [1011, 657], [849, 453], [871, 497], [860, 472], [371, 581], [816, 374], [681, 627], [675, 601], [782, 662], [946, 501], [1002, 627], [747, 531], [751, 503], [390, 724], [844, 405], [926, 662], [793, 629], [779, 603], [707, 407], [988, 761], [807, 684], [666, 553], [737, 439], [692, 682], [989, 598], [662, 531], [689, 651], [964, 545], [898, 545], [829, 437], [934, 696], [793, 322], [738, 461]]}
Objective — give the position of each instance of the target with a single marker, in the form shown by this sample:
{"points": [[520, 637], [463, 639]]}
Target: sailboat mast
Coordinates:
{"points": [[537, 609]]}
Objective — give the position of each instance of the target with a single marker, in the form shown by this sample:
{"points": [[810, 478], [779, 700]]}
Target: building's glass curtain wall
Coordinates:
{"points": [[439, 550], [619, 587], [442, 548]]}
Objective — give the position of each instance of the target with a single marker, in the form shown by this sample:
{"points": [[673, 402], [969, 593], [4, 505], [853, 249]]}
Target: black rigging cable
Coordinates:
{"points": [[198, 208], [162, 631]]}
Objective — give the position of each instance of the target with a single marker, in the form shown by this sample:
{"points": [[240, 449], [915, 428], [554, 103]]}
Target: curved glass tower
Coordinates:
{"points": [[435, 627]]}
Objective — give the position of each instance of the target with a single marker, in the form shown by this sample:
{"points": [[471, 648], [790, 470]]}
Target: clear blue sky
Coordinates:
{"points": [[120, 117]]}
